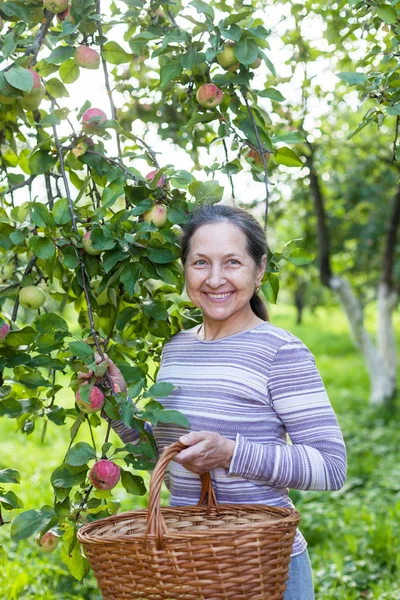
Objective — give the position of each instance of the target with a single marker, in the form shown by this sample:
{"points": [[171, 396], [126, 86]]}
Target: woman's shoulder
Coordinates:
{"points": [[277, 336]]}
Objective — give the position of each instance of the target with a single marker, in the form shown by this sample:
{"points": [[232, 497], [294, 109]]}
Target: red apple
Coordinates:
{"points": [[96, 400], [66, 16], [151, 175], [33, 100], [209, 95], [86, 57], [4, 329], [157, 215], [48, 543], [93, 119], [104, 475]]}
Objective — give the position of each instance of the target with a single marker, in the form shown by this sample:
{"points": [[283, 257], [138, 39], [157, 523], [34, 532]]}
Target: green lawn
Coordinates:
{"points": [[353, 534]]}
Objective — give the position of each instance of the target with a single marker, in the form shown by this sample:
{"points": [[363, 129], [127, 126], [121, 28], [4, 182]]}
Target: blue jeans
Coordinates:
{"points": [[300, 586]]}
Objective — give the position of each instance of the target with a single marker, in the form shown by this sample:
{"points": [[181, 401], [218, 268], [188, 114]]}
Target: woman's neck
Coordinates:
{"points": [[214, 330]]}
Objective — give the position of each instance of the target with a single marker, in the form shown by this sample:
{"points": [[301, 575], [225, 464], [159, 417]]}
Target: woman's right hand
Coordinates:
{"points": [[113, 371]]}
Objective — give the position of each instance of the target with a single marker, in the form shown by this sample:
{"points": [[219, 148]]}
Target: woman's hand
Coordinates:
{"points": [[115, 374], [207, 450]]}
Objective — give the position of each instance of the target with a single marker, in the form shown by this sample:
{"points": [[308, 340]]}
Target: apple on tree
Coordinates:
{"points": [[104, 475], [157, 215], [227, 59], [4, 330], [66, 15], [209, 95], [48, 543], [56, 6], [33, 100], [88, 245], [256, 156], [87, 57], [31, 297], [255, 64], [96, 400], [93, 119]]}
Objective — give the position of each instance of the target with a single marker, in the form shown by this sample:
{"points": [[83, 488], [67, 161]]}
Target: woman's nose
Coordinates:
{"points": [[215, 276]]}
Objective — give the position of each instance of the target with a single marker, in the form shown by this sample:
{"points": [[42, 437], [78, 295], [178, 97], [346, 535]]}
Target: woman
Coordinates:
{"points": [[243, 384]]}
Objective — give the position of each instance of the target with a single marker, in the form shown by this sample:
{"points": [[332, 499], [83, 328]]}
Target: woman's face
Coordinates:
{"points": [[220, 274]]}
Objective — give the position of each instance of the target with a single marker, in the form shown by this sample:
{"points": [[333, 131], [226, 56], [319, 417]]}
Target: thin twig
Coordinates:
{"points": [[34, 49], [229, 175], [49, 191], [395, 139], [64, 176], [17, 186], [28, 269], [114, 163], [262, 154]]}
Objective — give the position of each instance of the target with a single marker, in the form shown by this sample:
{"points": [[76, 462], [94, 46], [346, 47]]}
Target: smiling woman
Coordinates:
{"points": [[244, 385]]}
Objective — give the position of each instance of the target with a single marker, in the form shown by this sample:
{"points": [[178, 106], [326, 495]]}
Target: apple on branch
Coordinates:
{"points": [[209, 95], [160, 182], [33, 100], [56, 6], [227, 59], [4, 331], [96, 400], [104, 475], [48, 543], [157, 215], [66, 16], [87, 57], [88, 245], [93, 119], [31, 297]]}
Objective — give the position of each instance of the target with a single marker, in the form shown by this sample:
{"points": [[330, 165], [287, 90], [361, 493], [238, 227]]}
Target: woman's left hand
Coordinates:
{"points": [[207, 450]]}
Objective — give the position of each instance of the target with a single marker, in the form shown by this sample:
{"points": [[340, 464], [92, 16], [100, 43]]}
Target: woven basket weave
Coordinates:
{"points": [[204, 552]]}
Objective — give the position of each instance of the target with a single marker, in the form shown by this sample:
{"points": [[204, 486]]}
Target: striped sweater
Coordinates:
{"points": [[256, 387]]}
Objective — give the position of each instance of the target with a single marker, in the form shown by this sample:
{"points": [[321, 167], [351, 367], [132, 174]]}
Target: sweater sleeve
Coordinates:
{"points": [[316, 457]]}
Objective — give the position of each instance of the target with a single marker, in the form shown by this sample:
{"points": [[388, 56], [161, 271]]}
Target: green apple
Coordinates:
{"points": [[227, 58], [88, 245], [31, 297]]}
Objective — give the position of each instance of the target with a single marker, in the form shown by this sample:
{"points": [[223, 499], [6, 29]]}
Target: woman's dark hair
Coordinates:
{"points": [[255, 236]]}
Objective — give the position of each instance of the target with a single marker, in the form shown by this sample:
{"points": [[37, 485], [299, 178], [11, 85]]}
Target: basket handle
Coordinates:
{"points": [[155, 521]]}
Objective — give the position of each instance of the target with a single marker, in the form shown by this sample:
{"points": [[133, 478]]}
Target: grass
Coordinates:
{"points": [[352, 534]]}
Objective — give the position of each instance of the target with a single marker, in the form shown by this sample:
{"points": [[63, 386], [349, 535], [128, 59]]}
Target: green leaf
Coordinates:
{"points": [[9, 476], [387, 13], [286, 156], [271, 93], [155, 309], [71, 259], [289, 137], [125, 316], [156, 414], [163, 256], [20, 78], [66, 476], [233, 33], [270, 287], [10, 501], [23, 337], [77, 564], [30, 522], [203, 8], [160, 390], [61, 213], [114, 54], [50, 322], [10, 408], [353, 78], [42, 247], [60, 55], [205, 117], [80, 454], [56, 88], [236, 18], [69, 71], [393, 111], [169, 72], [300, 256], [246, 51], [81, 350], [40, 215], [34, 380], [207, 192], [129, 276], [41, 162], [133, 484]]}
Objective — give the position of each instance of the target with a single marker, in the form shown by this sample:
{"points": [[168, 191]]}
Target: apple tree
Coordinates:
{"points": [[90, 256]]}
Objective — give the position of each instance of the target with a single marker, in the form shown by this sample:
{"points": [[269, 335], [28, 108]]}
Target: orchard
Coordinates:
{"points": [[90, 216]]}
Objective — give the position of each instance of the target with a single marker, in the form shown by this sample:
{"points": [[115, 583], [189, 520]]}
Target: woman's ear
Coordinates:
{"points": [[261, 270]]}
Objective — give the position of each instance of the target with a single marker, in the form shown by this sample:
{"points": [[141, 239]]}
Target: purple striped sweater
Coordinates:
{"points": [[256, 387]]}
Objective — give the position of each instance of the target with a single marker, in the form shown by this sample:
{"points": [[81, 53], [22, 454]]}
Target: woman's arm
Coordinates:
{"points": [[316, 459]]}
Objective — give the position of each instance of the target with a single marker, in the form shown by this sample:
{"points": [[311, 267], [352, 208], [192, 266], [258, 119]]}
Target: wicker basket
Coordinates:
{"points": [[204, 552]]}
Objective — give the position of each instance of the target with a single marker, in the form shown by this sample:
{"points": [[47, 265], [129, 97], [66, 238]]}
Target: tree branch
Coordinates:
{"points": [[395, 139], [17, 186], [28, 270], [34, 49], [261, 150], [229, 175]]}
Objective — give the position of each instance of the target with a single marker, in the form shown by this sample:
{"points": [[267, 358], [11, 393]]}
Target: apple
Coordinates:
{"points": [[56, 6], [96, 400], [227, 58], [151, 175], [31, 297], [256, 63], [48, 543], [88, 245], [79, 149], [256, 156], [93, 119], [4, 329], [87, 57], [66, 16], [209, 95], [157, 215], [33, 100], [104, 475]]}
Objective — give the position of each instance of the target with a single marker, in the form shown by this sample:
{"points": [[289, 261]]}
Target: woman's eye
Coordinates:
{"points": [[233, 261], [200, 262]]}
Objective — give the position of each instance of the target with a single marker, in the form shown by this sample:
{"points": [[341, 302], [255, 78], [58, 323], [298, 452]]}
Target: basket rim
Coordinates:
{"points": [[86, 533]]}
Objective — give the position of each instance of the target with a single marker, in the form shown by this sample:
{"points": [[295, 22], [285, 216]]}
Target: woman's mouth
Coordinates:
{"points": [[219, 297]]}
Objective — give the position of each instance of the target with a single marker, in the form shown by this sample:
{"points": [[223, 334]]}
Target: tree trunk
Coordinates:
{"points": [[387, 301], [299, 296], [382, 383]]}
